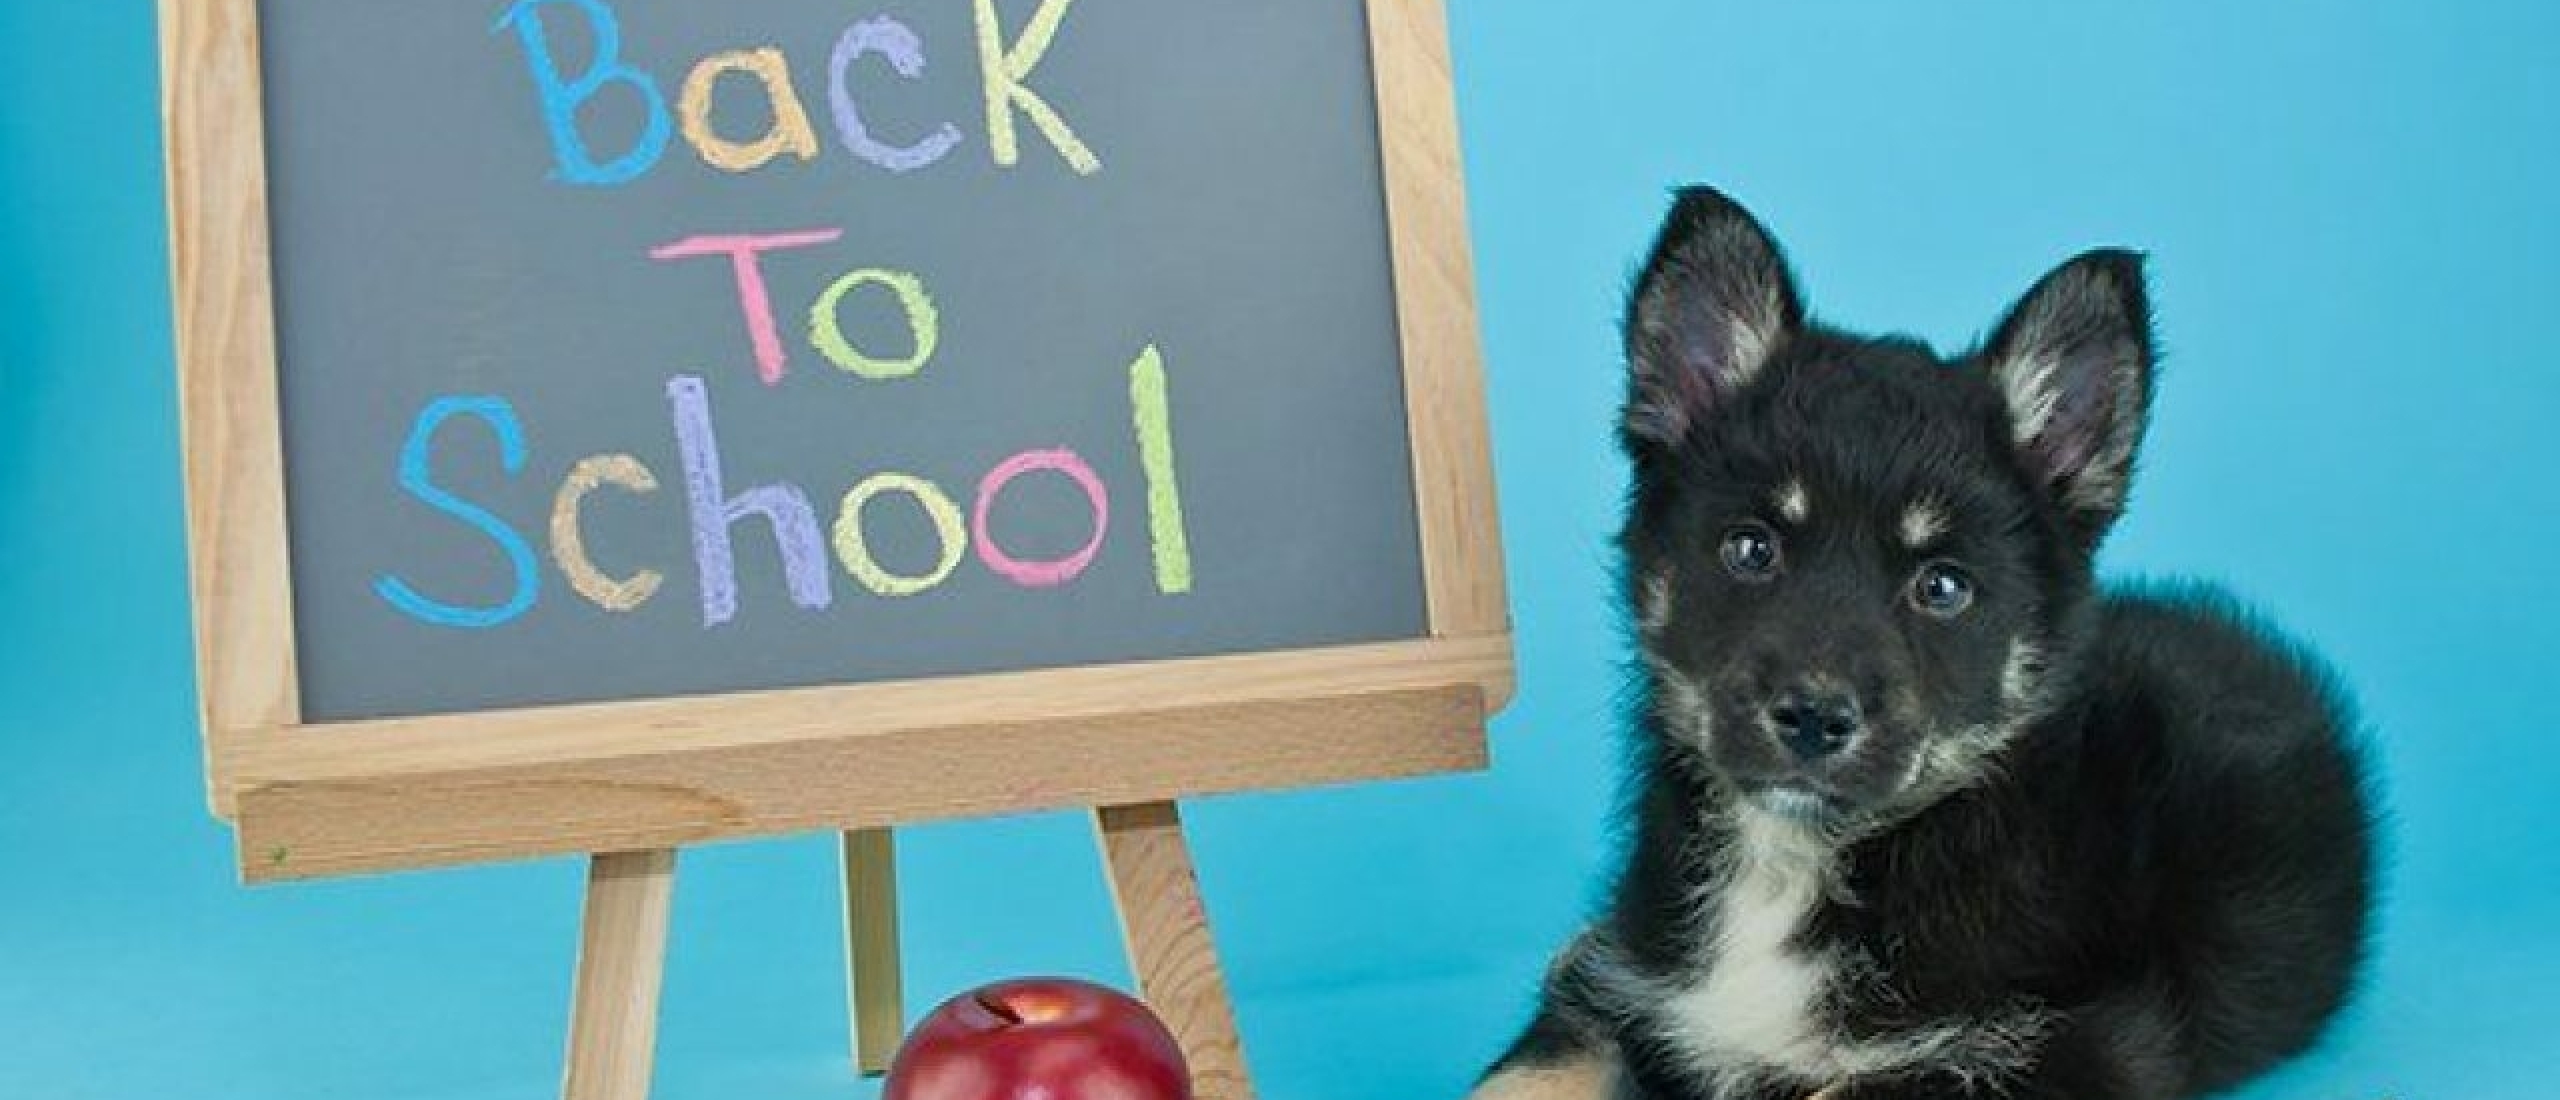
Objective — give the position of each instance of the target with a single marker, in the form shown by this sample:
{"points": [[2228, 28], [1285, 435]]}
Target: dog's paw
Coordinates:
{"points": [[1588, 1077]]}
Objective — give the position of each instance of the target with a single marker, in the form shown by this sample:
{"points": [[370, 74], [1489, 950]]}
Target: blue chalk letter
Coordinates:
{"points": [[561, 97], [418, 477]]}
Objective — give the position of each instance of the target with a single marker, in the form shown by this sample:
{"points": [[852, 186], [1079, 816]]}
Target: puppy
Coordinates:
{"points": [[1918, 810]]}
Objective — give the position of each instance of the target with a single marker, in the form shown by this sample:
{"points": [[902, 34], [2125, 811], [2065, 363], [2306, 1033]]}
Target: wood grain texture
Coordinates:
{"points": [[622, 951], [225, 331], [506, 784], [1166, 926], [873, 981], [1436, 308], [548, 735], [382, 819]]}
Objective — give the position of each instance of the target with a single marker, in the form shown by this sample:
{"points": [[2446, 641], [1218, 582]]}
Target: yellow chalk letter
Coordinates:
{"points": [[855, 553], [1007, 73]]}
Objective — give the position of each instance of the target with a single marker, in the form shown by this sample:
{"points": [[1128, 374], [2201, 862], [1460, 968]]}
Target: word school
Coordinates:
{"points": [[711, 507]]}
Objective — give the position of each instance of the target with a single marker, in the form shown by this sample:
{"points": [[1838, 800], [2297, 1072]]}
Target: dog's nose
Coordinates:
{"points": [[1813, 725]]}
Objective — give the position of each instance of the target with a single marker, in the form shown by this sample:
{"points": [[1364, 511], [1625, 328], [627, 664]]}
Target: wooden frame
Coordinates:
{"points": [[363, 796]]}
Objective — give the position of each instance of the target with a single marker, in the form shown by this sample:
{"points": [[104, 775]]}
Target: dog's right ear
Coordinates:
{"points": [[1714, 304]]}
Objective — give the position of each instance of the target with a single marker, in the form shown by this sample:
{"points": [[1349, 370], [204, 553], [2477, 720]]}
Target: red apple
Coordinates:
{"points": [[1039, 1039]]}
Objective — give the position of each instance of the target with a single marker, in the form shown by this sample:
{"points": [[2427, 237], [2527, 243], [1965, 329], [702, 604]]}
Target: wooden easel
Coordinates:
{"points": [[613, 1016], [633, 779]]}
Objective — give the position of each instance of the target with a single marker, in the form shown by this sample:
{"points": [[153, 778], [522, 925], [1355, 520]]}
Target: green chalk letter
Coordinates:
{"points": [[1154, 421], [826, 333]]}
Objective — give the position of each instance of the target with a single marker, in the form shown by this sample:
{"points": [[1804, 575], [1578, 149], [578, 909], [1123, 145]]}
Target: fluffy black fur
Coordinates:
{"points": [[1919, 810]]}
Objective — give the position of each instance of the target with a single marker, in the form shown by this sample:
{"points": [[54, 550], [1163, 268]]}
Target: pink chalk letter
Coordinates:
{"points": [[744, 252], [1039, 574]]}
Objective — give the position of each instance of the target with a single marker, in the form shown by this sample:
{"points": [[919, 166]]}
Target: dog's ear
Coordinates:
{"points": [[2073, 363], [1714, 303]]}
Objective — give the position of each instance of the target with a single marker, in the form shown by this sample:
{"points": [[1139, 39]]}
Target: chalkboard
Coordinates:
{"points": [[462, 268], [629, 422]]}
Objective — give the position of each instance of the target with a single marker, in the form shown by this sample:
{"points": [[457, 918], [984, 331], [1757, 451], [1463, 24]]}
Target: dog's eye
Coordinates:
{"points": [[1751, 552], [1942, 589]]}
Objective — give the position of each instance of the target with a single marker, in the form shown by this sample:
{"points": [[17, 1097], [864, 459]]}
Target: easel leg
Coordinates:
{"points": [[1167, 930], [871, 947], [622, 954]]}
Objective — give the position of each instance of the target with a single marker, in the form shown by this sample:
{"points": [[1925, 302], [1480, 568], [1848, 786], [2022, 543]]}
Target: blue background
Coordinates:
{"points": [[2351, 214]]}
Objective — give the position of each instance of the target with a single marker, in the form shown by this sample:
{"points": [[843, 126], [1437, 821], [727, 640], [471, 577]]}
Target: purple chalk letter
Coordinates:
{"points": [[795, 526], [892, 40]]}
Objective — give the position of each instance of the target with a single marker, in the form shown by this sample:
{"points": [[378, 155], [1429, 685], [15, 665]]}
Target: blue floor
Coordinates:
{"points": [[2355, 222]]}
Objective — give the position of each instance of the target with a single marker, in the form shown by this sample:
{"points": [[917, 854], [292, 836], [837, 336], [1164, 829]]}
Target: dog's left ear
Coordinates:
{"points": [[2073, 362]]}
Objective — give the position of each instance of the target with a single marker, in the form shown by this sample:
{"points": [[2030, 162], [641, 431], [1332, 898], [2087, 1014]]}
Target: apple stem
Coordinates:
{"points": [[1001, 1010]]}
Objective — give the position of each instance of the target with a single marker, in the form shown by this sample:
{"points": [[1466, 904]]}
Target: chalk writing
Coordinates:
{"points": [[585, 151]]}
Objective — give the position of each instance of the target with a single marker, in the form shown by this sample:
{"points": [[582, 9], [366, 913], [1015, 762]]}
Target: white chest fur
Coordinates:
{"points": [[1754, 1007]]}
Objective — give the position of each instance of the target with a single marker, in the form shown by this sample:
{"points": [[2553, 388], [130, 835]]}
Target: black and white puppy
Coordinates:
{"points": [[1918, 810]]}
